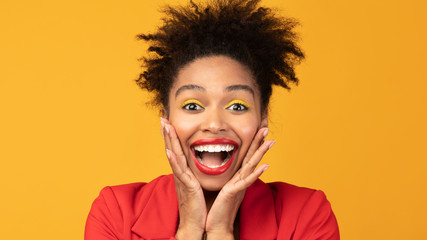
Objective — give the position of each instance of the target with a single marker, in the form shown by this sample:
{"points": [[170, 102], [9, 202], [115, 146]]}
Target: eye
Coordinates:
{"points": [[192, 107], [237, 107]]}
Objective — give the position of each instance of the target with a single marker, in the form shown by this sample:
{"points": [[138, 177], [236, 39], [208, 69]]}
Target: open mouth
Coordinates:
{"points": [[213, 156]]}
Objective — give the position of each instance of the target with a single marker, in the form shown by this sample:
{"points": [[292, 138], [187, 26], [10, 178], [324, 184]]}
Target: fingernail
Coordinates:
{"points": [[167, 129], [161, 122], [271, 145], [265, 133], [168, 153], [265, 168]]}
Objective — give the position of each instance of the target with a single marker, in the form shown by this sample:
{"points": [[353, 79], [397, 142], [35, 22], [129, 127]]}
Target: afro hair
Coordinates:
{"points": [[240, 29]]}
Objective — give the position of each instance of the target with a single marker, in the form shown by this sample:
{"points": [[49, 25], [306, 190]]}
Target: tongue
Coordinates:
{"points": [[211, 159]]}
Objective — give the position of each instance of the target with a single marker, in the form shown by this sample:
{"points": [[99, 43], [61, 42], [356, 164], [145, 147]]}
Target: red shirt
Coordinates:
{"points": [[268, 211]]}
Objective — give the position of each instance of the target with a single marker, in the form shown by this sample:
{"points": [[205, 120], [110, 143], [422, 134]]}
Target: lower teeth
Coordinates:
{"points": [[215, 166]]}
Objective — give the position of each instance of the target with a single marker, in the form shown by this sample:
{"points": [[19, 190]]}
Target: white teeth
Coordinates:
{"points": [[214, 148], [215, 166]]}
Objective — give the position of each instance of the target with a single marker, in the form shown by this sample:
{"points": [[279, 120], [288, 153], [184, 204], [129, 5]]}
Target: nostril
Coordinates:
{"points": [[215, 127], [214, 122]]}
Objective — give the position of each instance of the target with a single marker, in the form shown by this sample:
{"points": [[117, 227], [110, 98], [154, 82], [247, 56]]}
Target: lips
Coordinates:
{"points": [[213, 156]]}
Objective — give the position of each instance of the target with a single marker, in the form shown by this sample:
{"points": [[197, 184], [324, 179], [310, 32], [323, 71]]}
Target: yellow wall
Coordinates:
{"points": [[72, 120]]}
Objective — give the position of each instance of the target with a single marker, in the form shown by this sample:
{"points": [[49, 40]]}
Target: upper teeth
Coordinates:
{"points": [[214, 148]]}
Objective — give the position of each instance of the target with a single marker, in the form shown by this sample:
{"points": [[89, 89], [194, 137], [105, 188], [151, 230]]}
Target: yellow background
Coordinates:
{"points": [[72, 120]]}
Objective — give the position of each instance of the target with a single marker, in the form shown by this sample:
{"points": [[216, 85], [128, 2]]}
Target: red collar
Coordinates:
{"points": [[159, 217]]}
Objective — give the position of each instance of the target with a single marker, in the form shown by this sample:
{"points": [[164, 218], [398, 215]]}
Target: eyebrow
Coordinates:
{"points": [[189, 87], [240, 87], [202, 89]]}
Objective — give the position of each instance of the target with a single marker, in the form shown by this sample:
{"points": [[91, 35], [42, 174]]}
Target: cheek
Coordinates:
{"points": [[183, 129], [246, 131]]}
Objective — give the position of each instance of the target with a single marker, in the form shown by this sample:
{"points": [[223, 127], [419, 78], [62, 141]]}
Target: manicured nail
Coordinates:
{"points": [[265, 133], [162, 130], [271, 145], [161, 122], [167, 129], [265, 168], [168, 153]]}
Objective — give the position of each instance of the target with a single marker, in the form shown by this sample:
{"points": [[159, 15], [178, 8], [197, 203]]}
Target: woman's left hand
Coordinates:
{"points": [[221, 217]]}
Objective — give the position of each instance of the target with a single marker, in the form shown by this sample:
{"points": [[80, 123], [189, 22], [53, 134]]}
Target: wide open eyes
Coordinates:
{"points": [[192, 105], [238, 105], [235, 105]]}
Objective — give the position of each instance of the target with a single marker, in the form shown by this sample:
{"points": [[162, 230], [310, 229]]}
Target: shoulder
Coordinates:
{"points": [[305, 212], [118, 207], [131, 191], [282, 188], [134, 195], [289, 196]]}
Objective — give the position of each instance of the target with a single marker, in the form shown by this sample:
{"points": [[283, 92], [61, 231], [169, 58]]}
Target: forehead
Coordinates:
{"points": [[214, 71]]}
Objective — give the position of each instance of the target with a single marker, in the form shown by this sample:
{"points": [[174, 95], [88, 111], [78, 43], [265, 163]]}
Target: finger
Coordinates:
{"points": [[243, 184], [171, 145], [172, 142], [256, 157], [175, 145], [165, 132], [256, 143], [180, 173], [176, 169], [249, 180], [162, 128], [249, 166]]}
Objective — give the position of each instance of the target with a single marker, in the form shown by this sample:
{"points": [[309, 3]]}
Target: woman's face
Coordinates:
{"points": [[214, 106]]}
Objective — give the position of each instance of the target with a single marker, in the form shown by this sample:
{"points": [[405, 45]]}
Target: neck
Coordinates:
{"points": [[210, 197]]}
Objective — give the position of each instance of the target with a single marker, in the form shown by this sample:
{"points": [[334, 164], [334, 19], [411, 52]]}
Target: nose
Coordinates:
{"points": [[214, 121]]}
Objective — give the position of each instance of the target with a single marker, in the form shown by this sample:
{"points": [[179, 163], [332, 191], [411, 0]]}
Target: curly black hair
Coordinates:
{"points": [[240, 29]]}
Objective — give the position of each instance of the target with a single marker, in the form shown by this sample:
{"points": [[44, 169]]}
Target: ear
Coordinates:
{"points": [[164, 113], [264, 120]]}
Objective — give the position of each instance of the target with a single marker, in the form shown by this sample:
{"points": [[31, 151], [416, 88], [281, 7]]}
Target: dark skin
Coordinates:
{"points": [[219, 100], [199, 206]]}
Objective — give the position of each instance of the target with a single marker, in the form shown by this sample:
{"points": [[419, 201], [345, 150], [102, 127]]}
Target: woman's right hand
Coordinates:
{"points": [[191, 201]]}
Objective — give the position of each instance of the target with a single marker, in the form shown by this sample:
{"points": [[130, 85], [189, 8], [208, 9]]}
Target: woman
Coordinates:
{"points": [[212, 75]]}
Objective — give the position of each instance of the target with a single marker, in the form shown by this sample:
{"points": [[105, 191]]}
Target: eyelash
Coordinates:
{"points": [[192, 103], [238, 103]]}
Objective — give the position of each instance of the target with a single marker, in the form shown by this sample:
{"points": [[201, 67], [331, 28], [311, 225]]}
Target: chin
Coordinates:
{"points": [[213, 183], [212, 187]]}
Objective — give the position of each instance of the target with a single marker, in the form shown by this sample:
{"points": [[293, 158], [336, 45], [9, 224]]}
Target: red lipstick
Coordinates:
{"points": [[211, 141]]}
